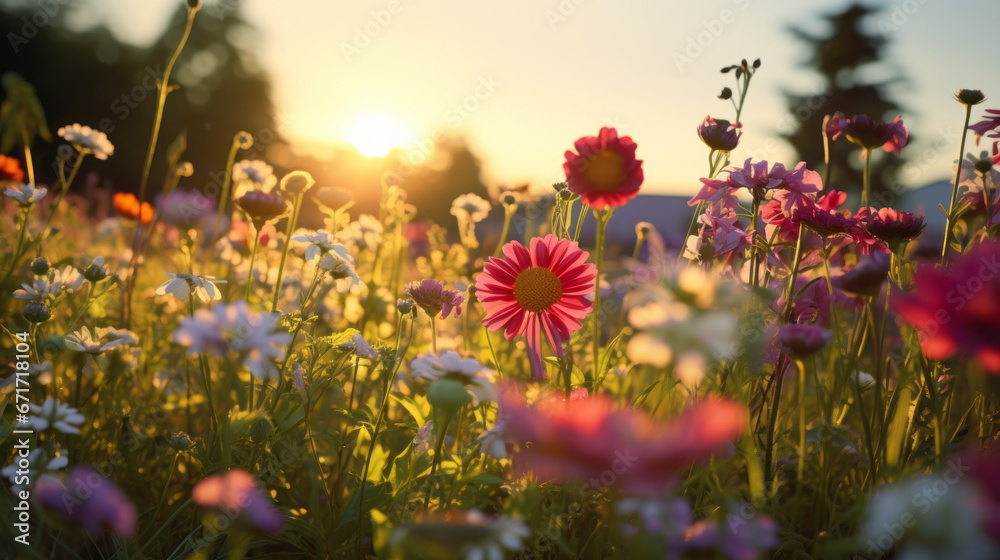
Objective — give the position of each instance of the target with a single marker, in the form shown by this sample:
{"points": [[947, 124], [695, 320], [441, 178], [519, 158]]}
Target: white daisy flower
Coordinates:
{"points": [[492, 442], [56, 415], [321, 243], [345, 278], [479, 381], [26, 194], [68, 279], [39, 464], [87, 140], [471, 207], [38, 290], [84, 340], [180, 286]]}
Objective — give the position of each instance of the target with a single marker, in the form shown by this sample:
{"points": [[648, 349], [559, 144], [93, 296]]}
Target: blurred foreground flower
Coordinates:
{"points": [[604, 170], [10, 170], [957, 310], [465, 535], [40, 463], [237, 502], [589, 440], [234, 328], [88, 500], [100, 340], [542, 288]]}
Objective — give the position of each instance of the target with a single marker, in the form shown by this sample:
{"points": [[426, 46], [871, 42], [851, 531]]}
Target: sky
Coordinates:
{"points": [[522, 79]]}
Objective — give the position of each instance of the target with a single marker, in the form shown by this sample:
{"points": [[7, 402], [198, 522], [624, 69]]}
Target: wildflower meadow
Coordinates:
{"points": [[195, 374]]}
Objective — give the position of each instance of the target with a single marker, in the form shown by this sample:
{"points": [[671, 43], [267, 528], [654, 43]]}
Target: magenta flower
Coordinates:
{"points": [[433, 298], [543, 288], [236, 497], [891, 226], [989, 124], [812, 304], [866, 278], [869, 133], [588, 439], [957, 310], [88, 500], [604, 170], [719, 134], [803, 339]]}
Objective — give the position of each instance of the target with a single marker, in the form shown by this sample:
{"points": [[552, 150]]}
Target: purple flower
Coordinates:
{"points": [[802, 340], [236, 497], [88, 500], [867, 277], [184, 209], [719, 134], [869, 133], [433, 298]]}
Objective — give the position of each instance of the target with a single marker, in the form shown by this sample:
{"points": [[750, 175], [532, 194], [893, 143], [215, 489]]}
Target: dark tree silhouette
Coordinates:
{"points": [[843, 57]]}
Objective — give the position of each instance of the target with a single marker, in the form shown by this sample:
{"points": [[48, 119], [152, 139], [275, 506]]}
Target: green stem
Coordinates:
{"points": [[253, 256], [438, 449], [602, 225], [508, 215], [867, 178], [227, 180], [292, 221], [948, 224], [579, 221]]}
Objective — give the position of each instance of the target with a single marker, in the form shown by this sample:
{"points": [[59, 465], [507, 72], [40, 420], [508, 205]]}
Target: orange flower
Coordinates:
{"points": [[127, 206], [10, 169]]}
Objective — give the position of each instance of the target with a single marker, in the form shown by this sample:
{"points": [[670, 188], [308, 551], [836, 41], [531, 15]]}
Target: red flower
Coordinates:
{"points": [[604, 171], [127, 206], [958, 310], [10, 170], [585, 439], [540, 288], [719, 134], [869, 133]]}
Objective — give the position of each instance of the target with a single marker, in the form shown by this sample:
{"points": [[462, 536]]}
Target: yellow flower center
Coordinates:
{"points": [[604, 171], [537, 289]]}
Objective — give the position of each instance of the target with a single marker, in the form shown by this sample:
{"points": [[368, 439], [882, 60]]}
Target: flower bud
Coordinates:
{"points": [[297, 182], [726, 94], [984, 166], [64, 152], [40, 266], [970, 96], [567, 195], [448, 395], [560, 186], [244, 139], [406, 306], [180, 442], [194, 5], [37, 312], [96, 271], [508, 199]]}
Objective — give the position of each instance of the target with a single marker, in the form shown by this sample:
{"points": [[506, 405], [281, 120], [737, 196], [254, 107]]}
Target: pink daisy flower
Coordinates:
{"points": [[603, 170], [869, 133], [236, 496], [540, 288]]}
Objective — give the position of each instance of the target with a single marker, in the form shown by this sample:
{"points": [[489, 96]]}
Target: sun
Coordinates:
{"points": [[374, 134]]}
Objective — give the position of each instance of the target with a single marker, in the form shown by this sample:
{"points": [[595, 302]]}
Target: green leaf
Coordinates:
{"points": [[641, 397], [411, 406]]}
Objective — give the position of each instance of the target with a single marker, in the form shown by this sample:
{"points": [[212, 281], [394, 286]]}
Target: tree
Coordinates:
{"points": [[844, 58]]}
